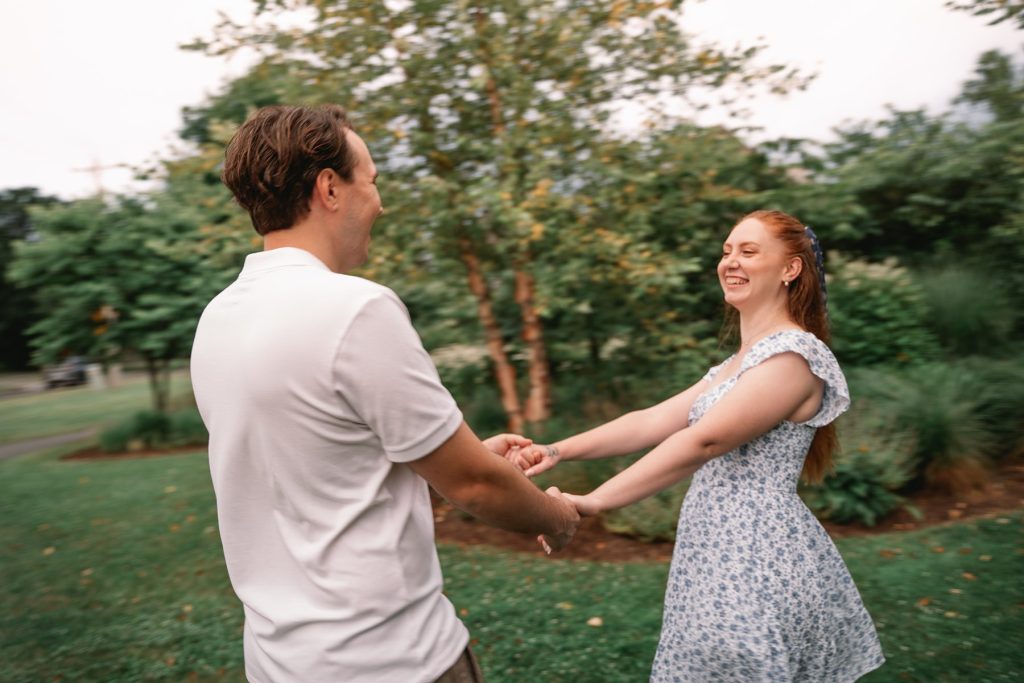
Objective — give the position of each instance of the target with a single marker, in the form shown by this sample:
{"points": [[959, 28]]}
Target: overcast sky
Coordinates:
{"points": [[103, 82]]}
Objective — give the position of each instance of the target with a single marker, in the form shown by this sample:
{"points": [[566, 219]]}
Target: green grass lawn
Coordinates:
{"points": [[60, 411], [112, 571]]}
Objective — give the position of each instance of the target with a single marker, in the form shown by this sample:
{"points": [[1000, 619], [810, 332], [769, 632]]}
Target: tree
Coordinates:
{"points": [[115, 279], [16, 309], [998, 87], [480, 116], [1003, 10]]}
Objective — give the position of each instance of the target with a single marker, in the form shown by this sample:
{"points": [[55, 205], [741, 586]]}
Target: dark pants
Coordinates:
{"points": [[464, 670]]}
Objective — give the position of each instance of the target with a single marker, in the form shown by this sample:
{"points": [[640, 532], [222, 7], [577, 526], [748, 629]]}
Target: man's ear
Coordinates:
{"points": [[325, 189]]}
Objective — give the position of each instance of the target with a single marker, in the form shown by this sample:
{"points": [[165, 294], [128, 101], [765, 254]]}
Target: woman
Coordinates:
{"points": [[757, 590]]}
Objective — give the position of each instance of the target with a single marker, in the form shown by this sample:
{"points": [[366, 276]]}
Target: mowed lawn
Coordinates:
{"points": [[61, 411], [112, 571]]}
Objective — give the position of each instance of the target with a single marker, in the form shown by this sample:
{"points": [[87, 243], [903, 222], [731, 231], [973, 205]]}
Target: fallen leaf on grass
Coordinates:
{"points": [[923, 602], [564, 605], [955, 591], [950, 614], [938, 549], [595, 622], [985, 558], [49, 551], [890, 553], [170, 489], [969, 576]]}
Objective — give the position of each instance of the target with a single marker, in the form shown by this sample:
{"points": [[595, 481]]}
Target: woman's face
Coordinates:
{"points": [[753, 266]]}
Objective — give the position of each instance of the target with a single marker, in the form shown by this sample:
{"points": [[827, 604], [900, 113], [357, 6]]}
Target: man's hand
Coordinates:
{"points": [[507, 445], [571, 522]]}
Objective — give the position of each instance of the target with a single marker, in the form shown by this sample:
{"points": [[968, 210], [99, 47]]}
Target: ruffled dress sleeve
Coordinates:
{"points": [[823, 363]]}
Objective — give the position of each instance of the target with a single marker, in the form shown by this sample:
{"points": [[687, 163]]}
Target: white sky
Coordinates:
{"points": [[103, 82]]}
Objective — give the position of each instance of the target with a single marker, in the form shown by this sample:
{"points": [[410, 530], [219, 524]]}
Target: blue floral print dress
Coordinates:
{"points": [[757, 591]]}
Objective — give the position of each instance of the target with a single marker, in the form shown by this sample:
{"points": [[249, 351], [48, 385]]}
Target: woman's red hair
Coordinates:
{"points": [[806, 309]]}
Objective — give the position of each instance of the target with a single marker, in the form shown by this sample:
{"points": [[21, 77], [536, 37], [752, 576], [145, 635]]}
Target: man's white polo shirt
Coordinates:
{"points": [[316, 389]]}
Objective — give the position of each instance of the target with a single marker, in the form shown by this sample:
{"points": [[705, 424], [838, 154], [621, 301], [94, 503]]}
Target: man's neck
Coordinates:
{"points": [[305, 237]]}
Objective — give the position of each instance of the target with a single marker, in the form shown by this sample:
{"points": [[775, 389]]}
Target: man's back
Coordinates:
{"points": [[315, 389]]}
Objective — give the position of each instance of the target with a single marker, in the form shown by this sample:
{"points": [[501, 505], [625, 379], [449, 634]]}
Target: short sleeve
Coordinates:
{"points": [[836, 399], [382, 370]]}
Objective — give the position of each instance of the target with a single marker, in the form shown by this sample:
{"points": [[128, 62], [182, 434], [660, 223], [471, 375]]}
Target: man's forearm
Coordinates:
{"points": [[487, 486]]}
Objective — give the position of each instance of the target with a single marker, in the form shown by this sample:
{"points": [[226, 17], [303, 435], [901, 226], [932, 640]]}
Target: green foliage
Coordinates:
{"points": [[996, 10], [878, 314], [151, 429], [1001, 403], [117, 278], [868, 473], [490, 125], [17, 311], [941, 409], [968, 312]]}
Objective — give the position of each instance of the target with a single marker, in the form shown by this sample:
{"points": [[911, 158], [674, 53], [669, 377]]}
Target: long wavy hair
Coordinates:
{"points": [[806, 304]]}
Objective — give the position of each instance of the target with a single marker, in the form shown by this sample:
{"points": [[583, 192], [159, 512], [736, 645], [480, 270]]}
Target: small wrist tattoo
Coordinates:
{"points": [[552, 451]]}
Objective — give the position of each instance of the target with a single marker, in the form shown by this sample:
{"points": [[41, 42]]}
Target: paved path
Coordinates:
{"points": [[11, 450]]}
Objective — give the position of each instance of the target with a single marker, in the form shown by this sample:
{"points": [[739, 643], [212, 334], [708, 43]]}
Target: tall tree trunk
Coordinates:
{"points": [[159, 383], [538, 401], [504, 371]]}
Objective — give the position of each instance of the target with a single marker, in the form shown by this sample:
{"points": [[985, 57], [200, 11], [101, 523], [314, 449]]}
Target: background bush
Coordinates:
{"points": [[940, 408], [869, 472], [878, 314], [967, 311], [150, 429]]}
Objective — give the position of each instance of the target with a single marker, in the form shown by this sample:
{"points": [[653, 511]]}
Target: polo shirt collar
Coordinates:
{"points": [[283, 257]]}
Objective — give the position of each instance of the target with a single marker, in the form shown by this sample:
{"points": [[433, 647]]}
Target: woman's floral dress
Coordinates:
{"points": [[757, 590]]}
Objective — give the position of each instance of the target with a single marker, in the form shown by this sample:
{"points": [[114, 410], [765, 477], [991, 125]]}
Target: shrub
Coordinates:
{"points": [[1001, 403], [869, 471], [187, 428], [878, 314], [967, 311], [116, 438], [941, 409], [153, 429]]}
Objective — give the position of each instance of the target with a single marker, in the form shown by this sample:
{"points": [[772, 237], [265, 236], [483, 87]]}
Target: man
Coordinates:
{"points": [[327, 420]]}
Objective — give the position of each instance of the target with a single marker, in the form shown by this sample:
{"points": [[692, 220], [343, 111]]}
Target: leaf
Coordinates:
{"points": [[595, 622], [969, 576], [923, 602]]}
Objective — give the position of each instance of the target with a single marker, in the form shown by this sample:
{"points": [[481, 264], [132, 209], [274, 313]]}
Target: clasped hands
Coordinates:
{"points": [[531, 459]]}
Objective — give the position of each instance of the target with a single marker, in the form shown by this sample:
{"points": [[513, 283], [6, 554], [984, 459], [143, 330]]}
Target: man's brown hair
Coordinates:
{"points": [[272, 163]]}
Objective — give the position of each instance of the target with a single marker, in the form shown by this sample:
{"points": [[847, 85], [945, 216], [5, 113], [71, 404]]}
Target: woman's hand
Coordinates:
{"points": [[587, 505], [539, 458]]}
